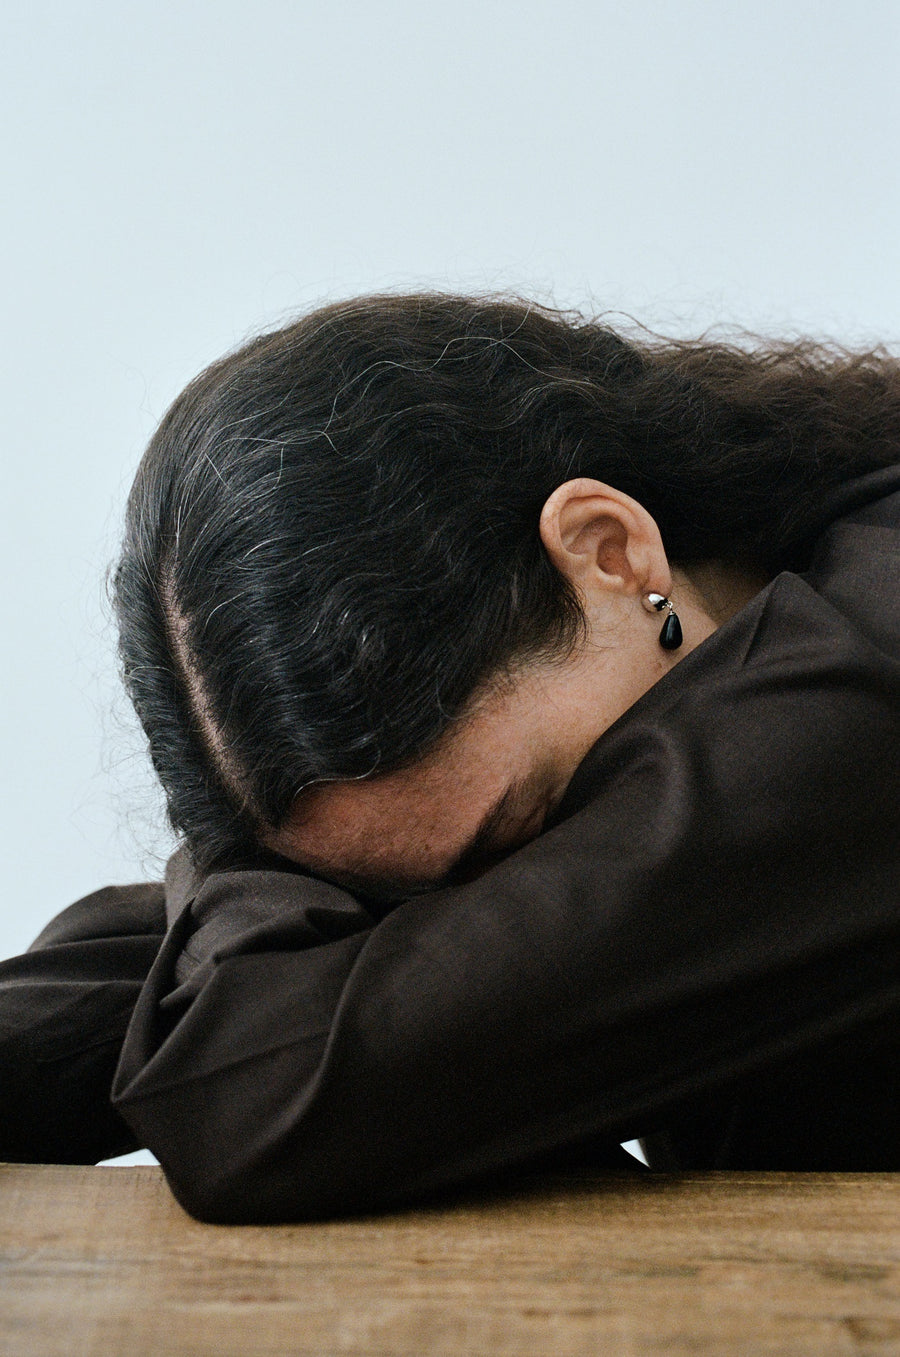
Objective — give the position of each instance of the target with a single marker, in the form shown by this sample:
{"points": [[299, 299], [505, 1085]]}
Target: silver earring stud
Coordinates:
{"points": [[671, 636]]}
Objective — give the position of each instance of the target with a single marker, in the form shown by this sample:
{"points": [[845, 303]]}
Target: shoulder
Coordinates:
{"points": [[856, 564]]}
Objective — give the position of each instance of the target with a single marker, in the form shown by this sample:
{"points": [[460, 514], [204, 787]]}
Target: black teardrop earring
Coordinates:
{"points": [[671, 637]]}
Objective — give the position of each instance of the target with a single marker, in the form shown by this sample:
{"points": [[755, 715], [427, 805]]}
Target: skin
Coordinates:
{"points": [[488, 786]]}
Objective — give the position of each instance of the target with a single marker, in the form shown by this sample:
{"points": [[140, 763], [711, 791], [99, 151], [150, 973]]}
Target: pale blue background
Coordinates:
{"points": [[175, 175]]}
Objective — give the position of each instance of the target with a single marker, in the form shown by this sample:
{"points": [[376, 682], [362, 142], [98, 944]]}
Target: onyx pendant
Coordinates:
{"points": [[670, 638]]}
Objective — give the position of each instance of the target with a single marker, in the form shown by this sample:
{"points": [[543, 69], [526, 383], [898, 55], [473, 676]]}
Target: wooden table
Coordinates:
{"points": [[102, 1260]]}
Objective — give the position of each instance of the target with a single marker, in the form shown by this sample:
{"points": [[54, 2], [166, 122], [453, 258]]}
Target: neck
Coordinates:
{"points": [[718, 589]]}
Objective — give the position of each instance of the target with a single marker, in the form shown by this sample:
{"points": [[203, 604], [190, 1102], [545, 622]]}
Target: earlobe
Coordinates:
{"points": [[600, 538]]}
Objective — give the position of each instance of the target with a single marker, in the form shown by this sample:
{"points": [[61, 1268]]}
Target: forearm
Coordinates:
{"points": [[65, 1005], [711, 903], [292, 1058]]}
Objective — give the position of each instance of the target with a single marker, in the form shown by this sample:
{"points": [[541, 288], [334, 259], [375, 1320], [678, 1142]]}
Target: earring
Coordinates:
{"points": [[671, 637]]}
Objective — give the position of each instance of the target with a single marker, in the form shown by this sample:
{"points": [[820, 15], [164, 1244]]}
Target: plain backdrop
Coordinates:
{"points": [[176, 176]]}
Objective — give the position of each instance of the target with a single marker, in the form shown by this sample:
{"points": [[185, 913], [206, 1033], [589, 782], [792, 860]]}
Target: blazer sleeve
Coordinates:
{"points": [[65, 1005], [716, 895]]}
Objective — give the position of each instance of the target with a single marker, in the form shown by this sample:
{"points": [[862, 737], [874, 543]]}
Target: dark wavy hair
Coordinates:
{"points": [[332, 540]]}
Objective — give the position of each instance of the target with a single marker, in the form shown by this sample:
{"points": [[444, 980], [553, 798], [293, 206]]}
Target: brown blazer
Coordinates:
{"points": [[702, 949]]}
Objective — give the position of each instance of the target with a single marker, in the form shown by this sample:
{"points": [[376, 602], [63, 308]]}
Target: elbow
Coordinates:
{"points": [[209, 1200], [222, 1173], [255, 1197]]}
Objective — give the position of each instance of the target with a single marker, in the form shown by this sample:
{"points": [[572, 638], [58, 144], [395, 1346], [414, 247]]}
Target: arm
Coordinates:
{"points": [[65, 1005], [710, 902]]}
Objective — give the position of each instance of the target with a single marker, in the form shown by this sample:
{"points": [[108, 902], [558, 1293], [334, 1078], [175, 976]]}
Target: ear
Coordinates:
{"points": [[603, 541]]}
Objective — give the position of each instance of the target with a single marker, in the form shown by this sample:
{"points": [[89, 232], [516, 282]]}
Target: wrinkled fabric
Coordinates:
{"points": [[700, 950]]}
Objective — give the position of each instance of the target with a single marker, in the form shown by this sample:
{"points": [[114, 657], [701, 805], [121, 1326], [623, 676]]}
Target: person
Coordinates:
{"points": [[525, 698]]}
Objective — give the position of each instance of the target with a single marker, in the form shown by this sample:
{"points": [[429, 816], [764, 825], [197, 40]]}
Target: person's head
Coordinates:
{"points": [[390, 561]]}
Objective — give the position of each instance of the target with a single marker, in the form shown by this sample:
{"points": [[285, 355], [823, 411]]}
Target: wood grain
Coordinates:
{"points": [[102, 1260]]}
